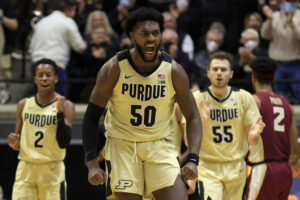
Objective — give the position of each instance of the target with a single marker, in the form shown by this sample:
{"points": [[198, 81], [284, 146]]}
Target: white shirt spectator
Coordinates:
{"points": [[284, 45], [53, 37]]}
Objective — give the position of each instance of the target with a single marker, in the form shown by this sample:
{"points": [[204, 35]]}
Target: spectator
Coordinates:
{"points": [[97, 53], [254, 20], [53, 37], [214, 40], [282, 28], [8, 23], [185, 41], [179, 8], [169, 42], [246, 53], [99, 17]]}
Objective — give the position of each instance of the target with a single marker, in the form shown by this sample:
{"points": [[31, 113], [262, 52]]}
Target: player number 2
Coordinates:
{"points": [[278, 119], [227, 136], [149, 115], [40, 136]]}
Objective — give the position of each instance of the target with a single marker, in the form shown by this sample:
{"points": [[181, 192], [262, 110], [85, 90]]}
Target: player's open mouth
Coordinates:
{"points": [[44, 85], [149, 50]]}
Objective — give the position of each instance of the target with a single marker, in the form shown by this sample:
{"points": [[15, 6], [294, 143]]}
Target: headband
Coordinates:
{"points": [[269, 76]]}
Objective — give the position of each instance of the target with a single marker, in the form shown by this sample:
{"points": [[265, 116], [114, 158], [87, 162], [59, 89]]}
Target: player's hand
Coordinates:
{"points": [[204, 109], [192, 185], [96, 175], [257, 127], [60, 101], [296, 169], [13, 141], [189, 171]]}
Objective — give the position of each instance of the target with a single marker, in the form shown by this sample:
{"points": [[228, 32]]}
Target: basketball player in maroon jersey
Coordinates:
{"points": [[271, 176]]}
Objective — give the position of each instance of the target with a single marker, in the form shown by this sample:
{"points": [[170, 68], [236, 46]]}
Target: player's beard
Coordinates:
{"points": [[140, 50]]}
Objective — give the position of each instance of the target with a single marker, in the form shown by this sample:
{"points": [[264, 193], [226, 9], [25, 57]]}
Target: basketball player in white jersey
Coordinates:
{"points": [[231, 121], [139, 86], [42, 133]]}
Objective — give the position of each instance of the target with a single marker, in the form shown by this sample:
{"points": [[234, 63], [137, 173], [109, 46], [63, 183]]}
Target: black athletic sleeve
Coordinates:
{"points": [[63, 131], [90, 133]]}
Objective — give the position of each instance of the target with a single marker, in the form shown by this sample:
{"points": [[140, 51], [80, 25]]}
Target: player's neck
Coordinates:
{"points": [[45, 98], [264, 88], [220, 92]]}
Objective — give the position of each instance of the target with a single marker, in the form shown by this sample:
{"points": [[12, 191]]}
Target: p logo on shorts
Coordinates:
{"points": [[123, 184]]}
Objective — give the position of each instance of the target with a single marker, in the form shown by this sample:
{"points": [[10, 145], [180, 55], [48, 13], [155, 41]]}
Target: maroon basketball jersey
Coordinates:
{"points": [[276, 114]]}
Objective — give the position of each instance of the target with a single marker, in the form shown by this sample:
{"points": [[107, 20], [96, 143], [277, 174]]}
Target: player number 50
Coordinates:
{"points": [[149, 115]]}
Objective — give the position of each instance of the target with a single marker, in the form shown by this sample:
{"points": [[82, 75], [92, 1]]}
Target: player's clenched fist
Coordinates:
{"points": [[96, 175], [189, 171], [60, 100], [13, 141]]}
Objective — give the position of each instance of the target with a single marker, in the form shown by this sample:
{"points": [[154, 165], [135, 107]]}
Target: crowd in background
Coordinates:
{"points": [[80, 36]]}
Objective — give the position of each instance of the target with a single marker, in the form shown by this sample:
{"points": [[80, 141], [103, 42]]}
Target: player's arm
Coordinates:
{"points": [[295, 149], [65, 116], [178, 115], [13, 139], [254, 130], [189, 109], [106, 80]]}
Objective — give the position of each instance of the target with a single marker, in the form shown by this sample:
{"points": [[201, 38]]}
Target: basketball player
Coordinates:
{"points": [[271, 176], [42, 133], [230, 121], [139, 86]]}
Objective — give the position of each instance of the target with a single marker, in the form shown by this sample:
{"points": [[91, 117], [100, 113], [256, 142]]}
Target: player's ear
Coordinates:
{"points": [[231, 74], [208, 72], [56, 79]]}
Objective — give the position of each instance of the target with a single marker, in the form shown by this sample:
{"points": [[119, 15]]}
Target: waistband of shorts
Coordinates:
{"points": [[264, 161]]}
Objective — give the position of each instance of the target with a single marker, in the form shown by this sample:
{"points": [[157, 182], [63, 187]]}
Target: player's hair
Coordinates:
{"points": [[222, 55], [263, 66], [44, 61], [140, 15]]}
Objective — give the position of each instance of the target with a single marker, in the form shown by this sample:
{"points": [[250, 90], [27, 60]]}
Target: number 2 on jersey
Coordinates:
{"points": [[149, 115], [40, 136], [278, 119]]}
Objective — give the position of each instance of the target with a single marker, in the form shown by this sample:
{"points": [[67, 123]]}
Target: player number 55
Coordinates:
{"points": [[226, 136]]}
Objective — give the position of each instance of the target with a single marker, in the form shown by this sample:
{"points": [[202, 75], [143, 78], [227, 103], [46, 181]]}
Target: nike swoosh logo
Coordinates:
{"points": [[126, 77]]}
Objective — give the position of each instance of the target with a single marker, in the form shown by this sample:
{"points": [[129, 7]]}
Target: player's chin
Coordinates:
{"points": [[150, 58]]}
